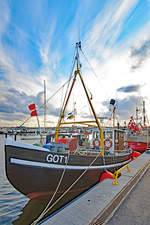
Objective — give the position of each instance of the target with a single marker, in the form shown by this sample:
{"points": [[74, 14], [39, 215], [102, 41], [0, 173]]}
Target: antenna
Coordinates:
{"points": [[113, 103], [79, 34]]}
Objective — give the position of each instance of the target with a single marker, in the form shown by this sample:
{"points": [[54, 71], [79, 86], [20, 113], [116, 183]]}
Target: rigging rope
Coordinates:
{"points": [[47, 207], [41, 106], [89, 64], [70, 77], [67, 82]]}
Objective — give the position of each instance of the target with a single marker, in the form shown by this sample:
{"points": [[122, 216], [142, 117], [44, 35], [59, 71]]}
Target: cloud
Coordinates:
{"points": [[4, 16], [129, 89], [43, 51], [108, 25], [126, 107], [14, 106], [140, 54], [13, 101], [45, 43]]}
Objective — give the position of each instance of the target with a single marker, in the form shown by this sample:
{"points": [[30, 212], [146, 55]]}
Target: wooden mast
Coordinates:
{"points": [[77, 72]]}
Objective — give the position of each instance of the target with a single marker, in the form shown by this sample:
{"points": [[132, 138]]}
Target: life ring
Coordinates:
{"points": [[96, 143], [108, 143]]}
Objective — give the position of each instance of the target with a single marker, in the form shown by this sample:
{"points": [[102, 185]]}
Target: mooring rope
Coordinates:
{"points": [[48, 209], [45, 210]]}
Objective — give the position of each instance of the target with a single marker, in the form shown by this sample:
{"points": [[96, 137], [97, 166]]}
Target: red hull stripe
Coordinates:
{"points": [[34, 195]]}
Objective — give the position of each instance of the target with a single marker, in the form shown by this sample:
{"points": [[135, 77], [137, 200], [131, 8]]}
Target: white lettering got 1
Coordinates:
{"points": [[56, 158]]}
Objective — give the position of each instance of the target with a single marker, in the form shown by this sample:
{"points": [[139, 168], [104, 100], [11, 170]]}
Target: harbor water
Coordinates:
{"points": [[15, 208]]}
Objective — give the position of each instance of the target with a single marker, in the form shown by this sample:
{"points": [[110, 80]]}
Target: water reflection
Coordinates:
{"points": [[31, 211]]}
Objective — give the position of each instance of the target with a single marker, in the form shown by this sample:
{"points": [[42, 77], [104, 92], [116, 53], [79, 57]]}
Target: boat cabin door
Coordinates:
{"points": [[119, 140]]}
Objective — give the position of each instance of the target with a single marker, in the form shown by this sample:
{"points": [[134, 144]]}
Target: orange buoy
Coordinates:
{"points": [[106, 175]]}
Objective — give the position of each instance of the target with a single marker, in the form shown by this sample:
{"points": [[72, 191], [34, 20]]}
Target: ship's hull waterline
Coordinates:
{"points": [[36, 172]]}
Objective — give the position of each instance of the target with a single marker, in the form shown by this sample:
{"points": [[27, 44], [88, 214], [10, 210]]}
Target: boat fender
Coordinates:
{"points": [[108, 143], [96, 143], [106, 175], [135, 155]]}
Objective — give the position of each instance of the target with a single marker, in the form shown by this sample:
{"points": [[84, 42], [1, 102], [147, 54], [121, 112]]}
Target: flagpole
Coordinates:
{"points": [[33, 110]]}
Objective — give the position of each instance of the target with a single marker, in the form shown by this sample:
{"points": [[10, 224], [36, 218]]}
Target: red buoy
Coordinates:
{"points": [[106, 175], [135, 155]]}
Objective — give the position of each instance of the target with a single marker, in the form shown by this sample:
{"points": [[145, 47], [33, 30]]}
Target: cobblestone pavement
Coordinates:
{"points": [[135, 209]]}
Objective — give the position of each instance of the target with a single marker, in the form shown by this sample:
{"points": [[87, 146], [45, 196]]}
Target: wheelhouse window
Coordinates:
{"points": [[109, 135]]}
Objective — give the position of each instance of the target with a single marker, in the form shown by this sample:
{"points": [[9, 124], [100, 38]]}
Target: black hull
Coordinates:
{"points": [[36, 173]]}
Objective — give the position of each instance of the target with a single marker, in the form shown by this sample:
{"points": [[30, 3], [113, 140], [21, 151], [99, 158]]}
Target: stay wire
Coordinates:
{"points": [[70, 77], [89, 63], [45, 210], [67, 82], [41, 106]]}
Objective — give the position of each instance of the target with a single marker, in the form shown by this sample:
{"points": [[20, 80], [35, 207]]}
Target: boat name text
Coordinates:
{"points": [[56, 158]]}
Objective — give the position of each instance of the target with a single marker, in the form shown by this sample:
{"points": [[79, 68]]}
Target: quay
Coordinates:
{"points": [[107, 204]]}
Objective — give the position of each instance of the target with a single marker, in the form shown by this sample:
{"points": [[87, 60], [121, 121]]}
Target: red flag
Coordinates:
{"points": [[31, 106], [34, 113]]}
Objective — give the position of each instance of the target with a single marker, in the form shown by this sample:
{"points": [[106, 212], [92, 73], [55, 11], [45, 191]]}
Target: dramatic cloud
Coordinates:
{"points": [[125, 107], [15, 104], [140, 54], [14, 101], [129, 89], [37, 44]]}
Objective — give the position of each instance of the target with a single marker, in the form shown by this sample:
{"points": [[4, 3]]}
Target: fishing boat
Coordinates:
{"points": [[138, 133], [140, 142], [70, 163]]}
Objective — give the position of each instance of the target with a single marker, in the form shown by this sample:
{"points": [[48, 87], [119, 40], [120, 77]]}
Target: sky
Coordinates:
{"points": [[37, 44]]}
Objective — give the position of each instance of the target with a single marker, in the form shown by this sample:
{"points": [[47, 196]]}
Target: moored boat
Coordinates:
{"points": [[66, 166], [138, 133]]}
